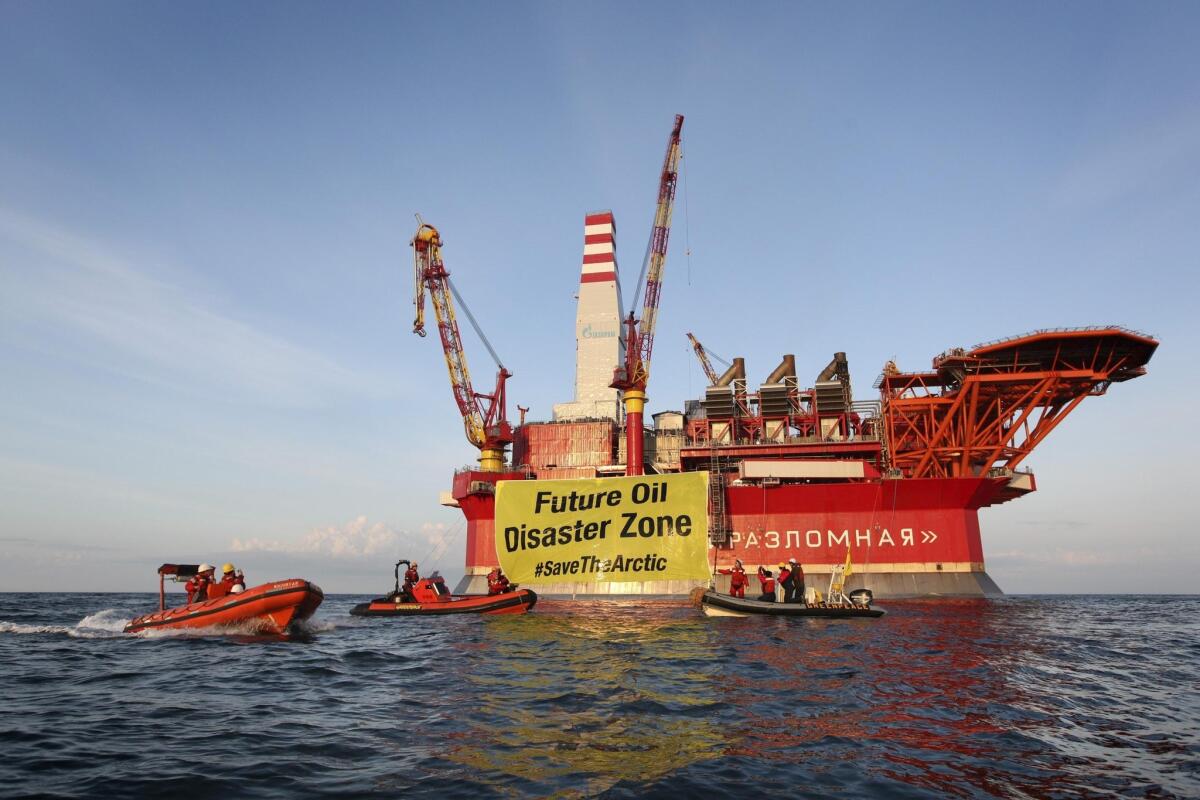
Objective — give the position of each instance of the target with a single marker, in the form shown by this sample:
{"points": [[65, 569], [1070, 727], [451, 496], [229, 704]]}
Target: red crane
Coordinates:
{"points": [[486, 425], [631, 377], [703, 355]]}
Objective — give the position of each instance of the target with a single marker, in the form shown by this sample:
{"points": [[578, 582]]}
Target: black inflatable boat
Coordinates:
{"points": [[723, 605]]}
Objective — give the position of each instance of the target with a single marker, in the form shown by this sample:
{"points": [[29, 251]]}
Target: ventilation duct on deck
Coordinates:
{"points": [[833, 396], [721, 399], [838, 369], [777, 396], [736, 370], [786, 369]]}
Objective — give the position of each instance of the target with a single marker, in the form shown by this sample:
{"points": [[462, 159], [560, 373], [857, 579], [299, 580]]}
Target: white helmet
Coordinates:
{"points": [[237, 588], [204, 568]]}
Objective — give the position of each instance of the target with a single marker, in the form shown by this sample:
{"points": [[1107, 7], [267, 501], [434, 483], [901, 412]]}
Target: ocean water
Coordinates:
{"points": [[1019, 697]]}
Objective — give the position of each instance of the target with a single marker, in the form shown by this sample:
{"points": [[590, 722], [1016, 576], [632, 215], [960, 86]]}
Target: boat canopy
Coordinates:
{"points": [[179, 570]]}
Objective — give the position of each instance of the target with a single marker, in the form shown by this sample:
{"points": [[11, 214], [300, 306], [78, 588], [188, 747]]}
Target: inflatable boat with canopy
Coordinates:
{"points": [[271, 607]]}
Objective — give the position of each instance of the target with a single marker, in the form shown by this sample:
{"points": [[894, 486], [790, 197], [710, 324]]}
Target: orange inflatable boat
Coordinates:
{"points": [[430, 597], [271, 607]]}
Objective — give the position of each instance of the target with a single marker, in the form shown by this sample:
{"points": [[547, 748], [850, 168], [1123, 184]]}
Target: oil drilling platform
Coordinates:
{"points": [[796, 469]]}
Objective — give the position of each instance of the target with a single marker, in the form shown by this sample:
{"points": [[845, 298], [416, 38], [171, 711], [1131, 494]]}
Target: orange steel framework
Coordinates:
{"points": [[992, 405]]}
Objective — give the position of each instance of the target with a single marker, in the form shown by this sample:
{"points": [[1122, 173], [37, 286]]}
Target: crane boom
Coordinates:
{"points": [[632, 376], [705, 364], [486, 426], [656, 258]]}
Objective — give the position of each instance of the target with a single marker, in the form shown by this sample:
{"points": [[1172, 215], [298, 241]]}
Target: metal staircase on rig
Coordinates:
{"points": [[718, 524]]}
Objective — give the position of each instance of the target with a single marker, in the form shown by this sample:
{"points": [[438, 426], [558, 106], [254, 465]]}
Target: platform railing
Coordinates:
{"points": [[1040, 331]]}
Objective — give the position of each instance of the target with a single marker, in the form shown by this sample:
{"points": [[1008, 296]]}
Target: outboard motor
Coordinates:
{"points": [[862, 598]]}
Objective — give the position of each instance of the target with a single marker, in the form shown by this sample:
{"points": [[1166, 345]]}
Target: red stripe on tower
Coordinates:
{"points": [[600, 218], [599, 248]]}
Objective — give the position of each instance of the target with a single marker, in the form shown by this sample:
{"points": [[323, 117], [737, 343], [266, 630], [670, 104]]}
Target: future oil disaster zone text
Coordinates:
{"points": [[631, 523]]}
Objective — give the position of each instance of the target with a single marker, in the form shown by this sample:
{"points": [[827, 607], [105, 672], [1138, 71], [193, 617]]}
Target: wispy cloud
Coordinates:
{"points": [[142, 325], [354, 539], [360, 538], [22, 479], [1149, 154], [439, 538]]}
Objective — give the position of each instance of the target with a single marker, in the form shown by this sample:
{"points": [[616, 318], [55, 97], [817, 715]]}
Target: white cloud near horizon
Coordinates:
{"points": [[354, 539], [359, 538]]}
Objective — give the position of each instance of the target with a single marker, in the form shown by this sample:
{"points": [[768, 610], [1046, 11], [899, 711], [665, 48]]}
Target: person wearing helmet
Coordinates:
{"points": [[197, 587], [737, 578], [232, 582], [498, 582], [411, 576], [768, 585], [785, 581]]}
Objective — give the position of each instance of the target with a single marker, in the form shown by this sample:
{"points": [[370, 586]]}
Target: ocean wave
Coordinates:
{"points": [[988, 699], [17, 627], [102, 624], [244, 628], [325, 624]]}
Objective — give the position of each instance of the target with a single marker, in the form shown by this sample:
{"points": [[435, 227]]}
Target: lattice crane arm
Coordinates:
{"points": [[705, 364], [640, 349], [487, 426], [632, 376]]}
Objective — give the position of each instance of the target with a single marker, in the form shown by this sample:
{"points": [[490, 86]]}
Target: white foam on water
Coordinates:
{"points": [[251, 627], [107, 621], [314, 625], [17, 627], [102, 624], [169, 633]]}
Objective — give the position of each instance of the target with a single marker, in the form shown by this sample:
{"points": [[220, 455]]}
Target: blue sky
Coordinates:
{"points": [[205, 290]]}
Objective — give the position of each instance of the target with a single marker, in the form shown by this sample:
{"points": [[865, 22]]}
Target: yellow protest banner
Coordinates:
{"points": [[645, 528]]}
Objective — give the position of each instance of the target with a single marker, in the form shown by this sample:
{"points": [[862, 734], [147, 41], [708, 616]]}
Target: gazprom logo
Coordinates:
{"points": [[604, 333]]}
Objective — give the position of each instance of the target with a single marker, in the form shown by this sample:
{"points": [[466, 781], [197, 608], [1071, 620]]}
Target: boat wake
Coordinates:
{"points": [[250, 630], [314, 625], [101, 625], [247, 628]]}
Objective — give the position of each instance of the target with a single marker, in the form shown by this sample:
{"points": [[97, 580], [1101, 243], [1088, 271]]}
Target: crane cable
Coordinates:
{"points": [[687, 227], [471, 318], [444, 545]]}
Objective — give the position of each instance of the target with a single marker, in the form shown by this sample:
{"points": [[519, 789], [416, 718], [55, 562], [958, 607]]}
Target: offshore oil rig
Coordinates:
{"points": [[797, 469]]}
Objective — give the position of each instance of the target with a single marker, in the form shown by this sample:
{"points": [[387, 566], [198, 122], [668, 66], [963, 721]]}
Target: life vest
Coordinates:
{"points": [[197, 589], [785, 576], [225, 586], [738, 578], [411, 575], [768, 585]]}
